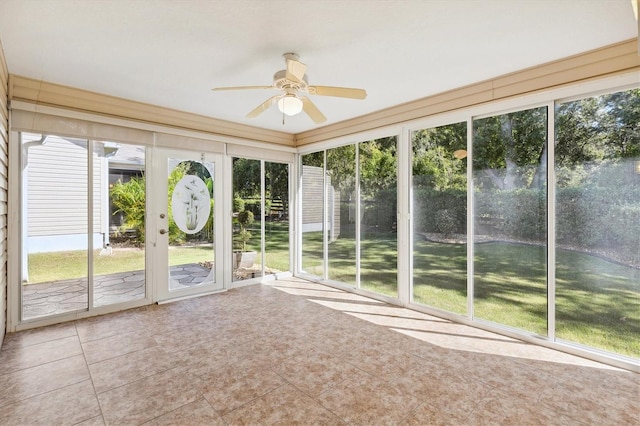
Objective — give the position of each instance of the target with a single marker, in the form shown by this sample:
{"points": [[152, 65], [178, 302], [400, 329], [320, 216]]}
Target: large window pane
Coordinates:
{"points": [[247, 214], [55, 224], [440, 217], [597, 160], [277, 217], [378, 195], [119, 266], [509, 178], [58, 230], [341, 213], [312, 213]]}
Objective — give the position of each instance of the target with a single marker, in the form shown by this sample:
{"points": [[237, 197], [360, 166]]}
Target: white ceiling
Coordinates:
{"points": [[172, 52]]}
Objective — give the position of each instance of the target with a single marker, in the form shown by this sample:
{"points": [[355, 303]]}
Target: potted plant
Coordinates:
{"points": [[242, 257]]}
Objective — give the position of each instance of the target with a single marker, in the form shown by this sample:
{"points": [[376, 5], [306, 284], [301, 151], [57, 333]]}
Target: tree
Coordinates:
{"points": [[341, 166], [246, 177], [378, 166], [511, 149], [277, 184], [434, 165]]}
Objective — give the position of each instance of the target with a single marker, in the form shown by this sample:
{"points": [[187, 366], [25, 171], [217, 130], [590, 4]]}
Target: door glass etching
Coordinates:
{"points": [[190, 223]]}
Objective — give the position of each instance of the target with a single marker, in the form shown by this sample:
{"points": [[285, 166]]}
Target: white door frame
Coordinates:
{"points": [[158, 224]]}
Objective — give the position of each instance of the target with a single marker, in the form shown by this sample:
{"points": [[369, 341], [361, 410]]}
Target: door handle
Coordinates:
{"points": [[163, 231]]}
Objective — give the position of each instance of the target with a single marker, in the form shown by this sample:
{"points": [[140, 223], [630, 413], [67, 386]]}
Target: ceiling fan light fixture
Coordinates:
{"points": [[290, 105]]}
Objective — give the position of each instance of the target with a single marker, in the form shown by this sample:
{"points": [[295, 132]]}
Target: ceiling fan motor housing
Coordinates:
{"points": [[281, 81]]}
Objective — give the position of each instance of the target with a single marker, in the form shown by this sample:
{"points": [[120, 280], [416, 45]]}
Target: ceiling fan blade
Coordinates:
{"points": [[295, 70], [242, 88], [312, 111], [341, 92], [263, 107]]}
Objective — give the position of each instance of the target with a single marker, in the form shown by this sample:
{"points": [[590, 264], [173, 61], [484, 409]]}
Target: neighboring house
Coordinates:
{"points": [[312, 184], [55, 187]]}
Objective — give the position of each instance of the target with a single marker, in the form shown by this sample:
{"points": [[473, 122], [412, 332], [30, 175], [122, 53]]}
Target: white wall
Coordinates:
{"points": [[4, 139]]}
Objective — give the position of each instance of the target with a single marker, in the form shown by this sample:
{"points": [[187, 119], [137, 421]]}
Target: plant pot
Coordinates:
{"points": [[244, 259]]}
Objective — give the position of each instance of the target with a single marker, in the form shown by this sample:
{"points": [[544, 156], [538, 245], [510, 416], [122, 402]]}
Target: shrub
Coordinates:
{"points": [[446, 221], [128, 198]]}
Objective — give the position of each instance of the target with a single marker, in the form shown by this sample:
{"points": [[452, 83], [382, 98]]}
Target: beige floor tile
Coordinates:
{"points": [[498, 408], [94, 421], [178, 339], [445, 397], [148, 398], [195, 413], [282, 406], [165, 319], [315, 372], [114, 346], [115, 372], [263, 355], [41, 379], [69, 405], [30, 356], [593, 405], [270, 350], [99, 327], [377, 360], [365, 400], [231, 387], [207, 354], [35, 336]]}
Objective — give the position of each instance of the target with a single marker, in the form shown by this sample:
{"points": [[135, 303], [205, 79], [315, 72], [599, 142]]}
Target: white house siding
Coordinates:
{"points": [[4, 142], [57, 202], [312, 187], [312, 199]]}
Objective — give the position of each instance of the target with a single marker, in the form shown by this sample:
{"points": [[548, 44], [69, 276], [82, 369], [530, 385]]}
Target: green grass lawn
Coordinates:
{"points": [[47, 267], [378, 267], [597, 301]]}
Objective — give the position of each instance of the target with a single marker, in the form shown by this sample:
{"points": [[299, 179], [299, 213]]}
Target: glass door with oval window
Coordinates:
{"points": [[188, 223]]}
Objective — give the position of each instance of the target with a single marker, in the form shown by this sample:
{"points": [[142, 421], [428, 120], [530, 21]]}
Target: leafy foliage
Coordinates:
{"points": [[129, 199], [378, 182], [245, 218], [434, 165]]}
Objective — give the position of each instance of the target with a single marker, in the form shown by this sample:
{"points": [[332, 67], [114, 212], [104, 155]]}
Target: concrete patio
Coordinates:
{"points": [[70, 295]]}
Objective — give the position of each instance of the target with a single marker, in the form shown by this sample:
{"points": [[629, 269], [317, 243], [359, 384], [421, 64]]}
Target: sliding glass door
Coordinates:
{"points": [[260, 224], [510, 228], [83, 210], [349, 210]]}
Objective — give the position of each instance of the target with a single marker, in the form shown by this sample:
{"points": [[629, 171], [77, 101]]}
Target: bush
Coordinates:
{"points": [[380, 211], [600, 218], [427, 202], [238, 204], [128, 198], [446, 221]]}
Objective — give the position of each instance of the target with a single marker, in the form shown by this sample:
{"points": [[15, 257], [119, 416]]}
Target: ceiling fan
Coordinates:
{"points": [[293, 81]]}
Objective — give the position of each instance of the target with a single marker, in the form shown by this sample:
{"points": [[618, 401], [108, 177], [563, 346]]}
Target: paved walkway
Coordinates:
{"points": [[70, 295]]}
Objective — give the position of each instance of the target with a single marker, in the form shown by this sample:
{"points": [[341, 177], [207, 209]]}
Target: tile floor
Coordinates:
{"points": [[294, 352]]}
